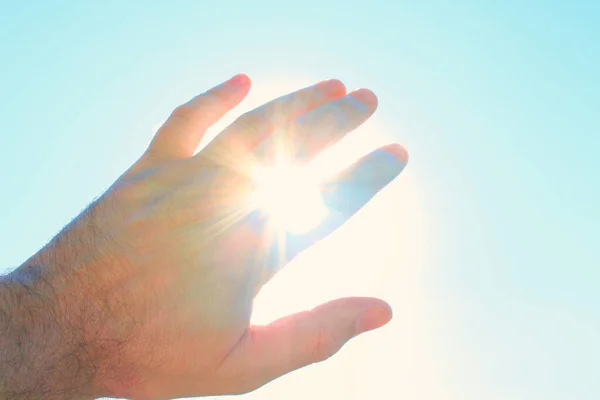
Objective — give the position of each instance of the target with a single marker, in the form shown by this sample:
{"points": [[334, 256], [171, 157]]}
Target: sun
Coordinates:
{"points": [[290, 196]]}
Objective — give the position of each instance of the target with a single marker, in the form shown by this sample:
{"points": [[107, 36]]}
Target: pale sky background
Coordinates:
{"points": [[487, 244]]}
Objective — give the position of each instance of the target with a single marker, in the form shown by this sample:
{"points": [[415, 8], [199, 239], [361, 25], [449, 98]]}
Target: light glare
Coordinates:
{"points": [[290, 196]]}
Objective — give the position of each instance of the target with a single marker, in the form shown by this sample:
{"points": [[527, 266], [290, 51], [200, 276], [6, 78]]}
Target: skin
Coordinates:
{"points": [[148, 293]]}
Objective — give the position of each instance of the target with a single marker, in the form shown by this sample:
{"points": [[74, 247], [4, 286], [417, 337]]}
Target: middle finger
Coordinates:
{"points": [[308, 135]]}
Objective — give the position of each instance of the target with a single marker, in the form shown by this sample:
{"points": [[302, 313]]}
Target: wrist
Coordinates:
{"points": [[39, 356]]}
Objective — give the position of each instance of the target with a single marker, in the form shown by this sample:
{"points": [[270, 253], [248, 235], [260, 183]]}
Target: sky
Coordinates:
{"points": [[486, 245]]}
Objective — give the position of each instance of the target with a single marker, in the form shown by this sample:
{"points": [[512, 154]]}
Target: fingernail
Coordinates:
{"points": [[333, 87], [366, 96], [240, 80], [373, 318], [398, 151]]}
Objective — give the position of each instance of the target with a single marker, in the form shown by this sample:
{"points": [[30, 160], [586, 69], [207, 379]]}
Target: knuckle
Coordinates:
{"points": [[324, 345], [245, 387], [215, 98], [206, 104], [253, 122], [184, 112], [210, 102]]}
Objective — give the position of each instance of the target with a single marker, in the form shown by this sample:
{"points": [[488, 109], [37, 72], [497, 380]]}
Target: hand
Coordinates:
{"points": [[152, 286]]}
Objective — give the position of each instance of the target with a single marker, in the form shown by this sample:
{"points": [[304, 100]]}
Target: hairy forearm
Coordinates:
{"points": [[39, 357]]}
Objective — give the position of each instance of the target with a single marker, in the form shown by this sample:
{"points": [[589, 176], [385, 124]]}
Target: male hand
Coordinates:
{"points": [[149, 292]]}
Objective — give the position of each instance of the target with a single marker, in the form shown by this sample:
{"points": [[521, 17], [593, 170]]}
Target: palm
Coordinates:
{"points": [[215, 251]]}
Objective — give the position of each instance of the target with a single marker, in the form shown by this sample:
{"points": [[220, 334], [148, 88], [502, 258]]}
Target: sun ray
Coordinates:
{"points": [[290, 196]]}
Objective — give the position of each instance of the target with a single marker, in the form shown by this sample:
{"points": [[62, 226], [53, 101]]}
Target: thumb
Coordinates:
{"points": [[307, 337]]}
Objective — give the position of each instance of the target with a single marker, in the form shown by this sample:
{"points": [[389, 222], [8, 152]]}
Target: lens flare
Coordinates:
{"points": [[290, 196]]}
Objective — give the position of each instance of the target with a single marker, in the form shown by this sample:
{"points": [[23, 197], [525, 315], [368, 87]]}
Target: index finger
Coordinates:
{"points": [[182, 132]]}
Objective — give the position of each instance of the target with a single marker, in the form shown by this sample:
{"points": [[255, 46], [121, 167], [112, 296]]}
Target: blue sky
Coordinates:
{"points": [[497, 103]]}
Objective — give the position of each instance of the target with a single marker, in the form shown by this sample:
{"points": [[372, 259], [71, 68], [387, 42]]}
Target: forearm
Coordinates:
{"points": [[39, 357]]}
